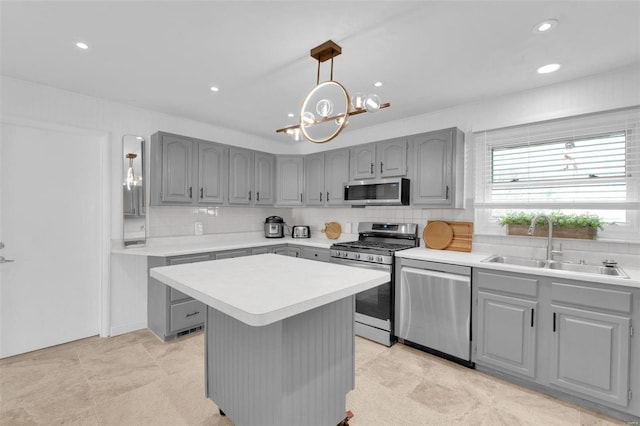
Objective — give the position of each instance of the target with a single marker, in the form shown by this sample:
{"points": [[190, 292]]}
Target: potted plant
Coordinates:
{"points": [[583, 225]]}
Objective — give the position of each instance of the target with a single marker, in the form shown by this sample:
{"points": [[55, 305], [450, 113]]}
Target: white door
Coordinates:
{"points": [[51, 228]]}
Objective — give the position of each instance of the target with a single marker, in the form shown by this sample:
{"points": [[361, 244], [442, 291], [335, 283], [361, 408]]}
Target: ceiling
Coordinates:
{"points": [[430, 55]]}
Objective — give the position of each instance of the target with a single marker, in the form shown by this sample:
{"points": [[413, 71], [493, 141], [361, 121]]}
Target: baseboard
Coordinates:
{"points": [[127, 328]]}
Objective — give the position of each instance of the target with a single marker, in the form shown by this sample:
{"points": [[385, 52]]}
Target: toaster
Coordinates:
{"points": [[300, 231]]}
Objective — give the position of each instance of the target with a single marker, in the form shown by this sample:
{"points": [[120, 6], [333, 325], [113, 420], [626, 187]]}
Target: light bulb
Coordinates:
{"points": [[372, 103], [357, 101], [307, 118], [324, 108], [130, 178], [341, 119]]}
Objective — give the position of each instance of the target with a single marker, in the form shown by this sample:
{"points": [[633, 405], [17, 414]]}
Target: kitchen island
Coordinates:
{"points": [[279, 339]]}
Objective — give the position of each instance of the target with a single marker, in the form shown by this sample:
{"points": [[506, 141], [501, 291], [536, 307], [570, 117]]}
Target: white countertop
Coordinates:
{"points": [[266, 288], [474, 259], [175, 246]]}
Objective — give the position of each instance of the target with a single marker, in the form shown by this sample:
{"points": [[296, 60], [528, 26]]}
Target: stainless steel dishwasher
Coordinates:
{"points": [[433, 308]]}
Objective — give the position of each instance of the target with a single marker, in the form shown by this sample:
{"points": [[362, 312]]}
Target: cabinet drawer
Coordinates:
{"points": [[188, 259], [614, 300], [315, 254], [187, 314], [507, 283], [176, 295]]}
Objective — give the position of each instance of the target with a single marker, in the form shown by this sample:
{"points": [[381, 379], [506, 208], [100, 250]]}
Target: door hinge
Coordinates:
{"points": [[630, 394], [631, 331]]}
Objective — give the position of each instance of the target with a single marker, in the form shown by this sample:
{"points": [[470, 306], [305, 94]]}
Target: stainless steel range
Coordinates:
{"points": [[374, 249]]}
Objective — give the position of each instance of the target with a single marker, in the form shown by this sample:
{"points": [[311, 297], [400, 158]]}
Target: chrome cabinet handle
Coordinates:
{"points": [[249, 195], [201, 192], [195, 313], [381, 167], [301, 197], [327, 196], [446, 197], [257, 195], [371, 168], [191, 192], [3, 260], [320, 195]]}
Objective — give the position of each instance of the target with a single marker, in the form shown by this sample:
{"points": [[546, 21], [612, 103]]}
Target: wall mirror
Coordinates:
{"points": [[133, 183]]}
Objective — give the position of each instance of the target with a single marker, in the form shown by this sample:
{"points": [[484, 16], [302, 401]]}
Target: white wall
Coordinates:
{"points": [[616, 89]]}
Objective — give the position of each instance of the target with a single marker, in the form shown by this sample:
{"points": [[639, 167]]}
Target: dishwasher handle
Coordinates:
{"points": [[438, 274]]}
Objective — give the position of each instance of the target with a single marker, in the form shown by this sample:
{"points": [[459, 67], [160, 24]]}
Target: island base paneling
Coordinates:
{"points": [[295, 371]]}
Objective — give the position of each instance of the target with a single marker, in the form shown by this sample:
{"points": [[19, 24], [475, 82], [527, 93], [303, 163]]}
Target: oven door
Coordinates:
{"points": [[374, 303]]}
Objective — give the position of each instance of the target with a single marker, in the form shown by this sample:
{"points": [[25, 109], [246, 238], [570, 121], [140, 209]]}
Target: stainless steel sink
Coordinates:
{"points": [[519, 261], [587, 269], [582, 268]]}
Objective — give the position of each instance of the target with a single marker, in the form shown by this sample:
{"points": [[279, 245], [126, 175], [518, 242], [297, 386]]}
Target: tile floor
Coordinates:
{"points": [[135, 379]]}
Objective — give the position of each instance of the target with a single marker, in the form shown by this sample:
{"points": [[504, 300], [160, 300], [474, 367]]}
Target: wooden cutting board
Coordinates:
{"points": [[462, 235], [437, 235], [332, 230]]}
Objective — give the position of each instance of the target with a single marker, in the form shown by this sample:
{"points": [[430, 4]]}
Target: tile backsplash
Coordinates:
{"points": [[181, 221]]}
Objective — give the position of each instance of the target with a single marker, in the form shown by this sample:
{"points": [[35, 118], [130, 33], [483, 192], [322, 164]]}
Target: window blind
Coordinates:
{"points": [[590, 161]]}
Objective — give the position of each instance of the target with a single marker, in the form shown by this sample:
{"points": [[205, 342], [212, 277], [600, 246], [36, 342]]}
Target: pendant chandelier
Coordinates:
{"points": [[327, 108]]}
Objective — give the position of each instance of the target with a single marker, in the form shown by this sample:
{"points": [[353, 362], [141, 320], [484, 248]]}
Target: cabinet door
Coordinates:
{"points": [[391, 158], [432, 162], [240, 176], [289, 181], [232, 253], [506, 333], [336, 175], [265, 176], [314, 179], [210, 173], [363, 158], [177, 169], [590, 354]]}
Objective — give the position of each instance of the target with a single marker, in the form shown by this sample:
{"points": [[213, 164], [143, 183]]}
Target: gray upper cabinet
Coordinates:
{"points": [[437, 169], [336, 175], [289, 180], [241, 175], [211, 166], [379, 160], [186, 171], [177, 170], [314, 180], [265, 167], [363, 158]]}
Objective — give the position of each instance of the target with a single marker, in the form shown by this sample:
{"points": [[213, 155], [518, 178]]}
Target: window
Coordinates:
{"points": [[587, 163]]}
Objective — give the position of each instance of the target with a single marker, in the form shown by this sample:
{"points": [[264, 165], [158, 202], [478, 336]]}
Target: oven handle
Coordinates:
{"points": [[361, 264]]}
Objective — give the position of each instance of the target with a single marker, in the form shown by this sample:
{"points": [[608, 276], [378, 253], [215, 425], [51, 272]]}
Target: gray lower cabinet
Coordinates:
{"points": [[312, 253], [228, 254], [292, 251], [506, 324], [591, 336], [569, 336], [169, 311]]}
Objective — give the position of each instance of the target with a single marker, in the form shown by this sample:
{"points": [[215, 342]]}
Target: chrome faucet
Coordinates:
{"points": [[532, 228]]}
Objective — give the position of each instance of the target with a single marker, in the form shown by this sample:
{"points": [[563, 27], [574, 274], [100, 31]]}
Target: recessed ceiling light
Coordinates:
{"points": [[545, 26], [377, 83], [548, 68], [290, 115], [82, 45], [214, 89]]}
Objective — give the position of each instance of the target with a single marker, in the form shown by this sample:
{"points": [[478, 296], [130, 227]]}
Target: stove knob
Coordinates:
{"points": [[357, 256], [338, 254], [370, 257], [379, 259]]}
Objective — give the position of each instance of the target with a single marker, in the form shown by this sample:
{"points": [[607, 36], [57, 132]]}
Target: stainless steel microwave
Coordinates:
{"points": [[378, 192]]}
